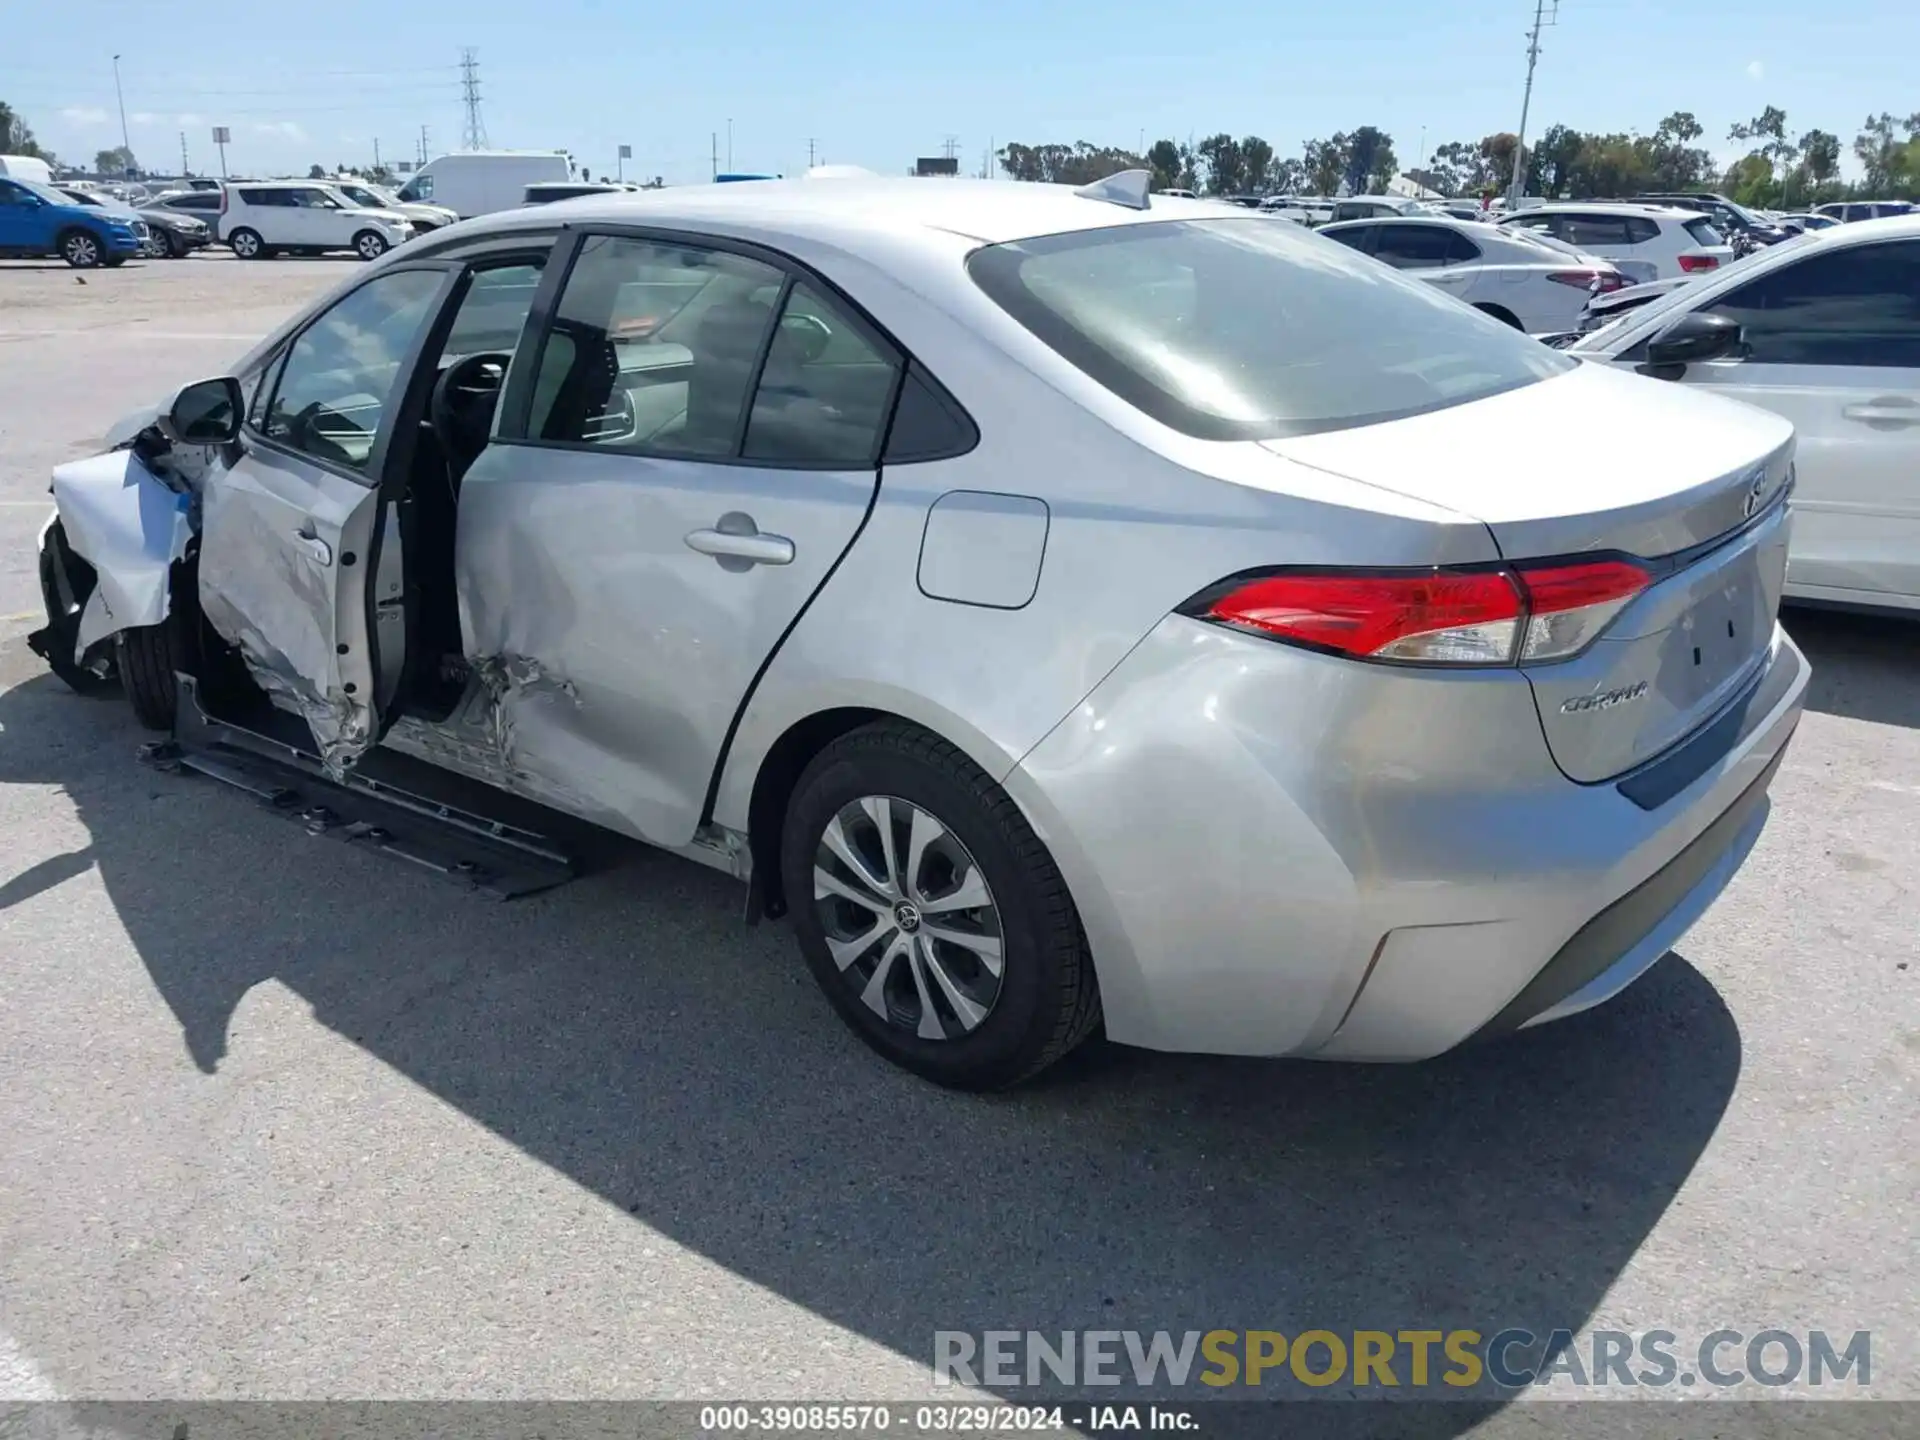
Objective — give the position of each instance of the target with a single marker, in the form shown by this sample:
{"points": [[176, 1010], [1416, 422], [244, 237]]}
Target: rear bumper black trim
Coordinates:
{"points": [[1657, 783], [1617, 929]]}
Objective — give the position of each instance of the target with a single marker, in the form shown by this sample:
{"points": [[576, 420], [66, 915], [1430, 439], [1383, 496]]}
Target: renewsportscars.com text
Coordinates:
{"points": [[1402, 1359]]}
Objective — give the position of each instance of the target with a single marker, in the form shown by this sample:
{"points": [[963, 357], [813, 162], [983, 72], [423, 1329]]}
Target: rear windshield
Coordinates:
{"points": [[1703, 232], [1250, 329]]}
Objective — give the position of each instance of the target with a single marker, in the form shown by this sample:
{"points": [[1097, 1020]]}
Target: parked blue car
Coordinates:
{"points": [[37, 220]]}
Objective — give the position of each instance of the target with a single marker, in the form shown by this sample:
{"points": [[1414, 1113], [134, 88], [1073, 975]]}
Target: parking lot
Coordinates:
{"points": [[287, 1121]]}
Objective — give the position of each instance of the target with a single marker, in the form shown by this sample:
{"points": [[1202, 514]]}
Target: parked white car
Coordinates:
{"points": [[1646, 242], [1532, 284], [1847, 212], [424, 218], [305, 217], [1828, 337]]}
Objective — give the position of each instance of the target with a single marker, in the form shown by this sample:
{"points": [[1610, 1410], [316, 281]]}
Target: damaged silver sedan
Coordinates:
{"points": [[1061, 602]]}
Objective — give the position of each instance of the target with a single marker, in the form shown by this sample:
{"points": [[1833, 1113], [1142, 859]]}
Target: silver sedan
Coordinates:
{"points": [[1071, 608]]}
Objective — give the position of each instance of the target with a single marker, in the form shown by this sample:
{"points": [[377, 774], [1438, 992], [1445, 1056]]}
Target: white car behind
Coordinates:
{"points": [[1829, 338], [1646, 242], [304, 217], [1531, 284]]}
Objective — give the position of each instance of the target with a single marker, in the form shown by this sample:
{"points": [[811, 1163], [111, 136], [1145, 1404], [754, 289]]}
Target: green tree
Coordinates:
{"points": [[1675, 162], [1369, 160], [1226, 166], [1285, 176], [1452, 167], [1163, 158], [1325, 161], [117, 161], [1496, 162], [316, 172], [16, 136], [1256, 161], [1551, 165], [1820, 155]]}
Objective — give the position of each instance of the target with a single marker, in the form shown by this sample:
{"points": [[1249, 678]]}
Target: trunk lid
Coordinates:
{"points": [[1596, 462]]}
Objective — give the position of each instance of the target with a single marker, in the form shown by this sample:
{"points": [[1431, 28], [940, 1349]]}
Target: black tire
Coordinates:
{"points": [[176, 247], [149, 656], [246, 244], [1047, 1001], [369, 244], [81, 249], [113, 262], [1500, 313]]}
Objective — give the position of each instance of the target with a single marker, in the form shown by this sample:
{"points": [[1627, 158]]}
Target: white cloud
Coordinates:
{"points": [[84, 115], [189, 119], [284, 129], [144, 117], [1756, 70]]}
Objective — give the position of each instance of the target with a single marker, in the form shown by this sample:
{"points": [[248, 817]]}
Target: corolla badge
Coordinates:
{"points": [[1756, 494], [1603, 700]]}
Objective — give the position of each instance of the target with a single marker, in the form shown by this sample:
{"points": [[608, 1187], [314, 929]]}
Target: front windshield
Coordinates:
{"points": [[1247, 330], [79, 197]]}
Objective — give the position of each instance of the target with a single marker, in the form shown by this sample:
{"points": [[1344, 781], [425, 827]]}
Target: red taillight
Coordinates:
{"points": [[1436, 617], [1695, 263], [1579, 279]]}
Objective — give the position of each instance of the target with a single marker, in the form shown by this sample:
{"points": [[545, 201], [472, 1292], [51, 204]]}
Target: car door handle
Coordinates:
{"points": [[736, 538], [316, 548], [1888, 410]]}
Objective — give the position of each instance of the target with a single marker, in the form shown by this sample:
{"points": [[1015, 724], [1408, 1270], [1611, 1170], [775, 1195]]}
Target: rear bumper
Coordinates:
{"points": [[1281, 853]]}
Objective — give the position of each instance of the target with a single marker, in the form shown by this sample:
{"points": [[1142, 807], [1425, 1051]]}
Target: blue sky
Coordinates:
{"points": [[876, 85]]}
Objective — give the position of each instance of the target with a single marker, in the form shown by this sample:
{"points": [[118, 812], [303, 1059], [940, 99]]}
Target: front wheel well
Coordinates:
{"points": [[1500, 313], [773, 788]]}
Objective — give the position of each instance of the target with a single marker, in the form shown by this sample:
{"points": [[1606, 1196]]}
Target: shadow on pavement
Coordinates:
{"points": [[630, 1033], [1865, 667]]}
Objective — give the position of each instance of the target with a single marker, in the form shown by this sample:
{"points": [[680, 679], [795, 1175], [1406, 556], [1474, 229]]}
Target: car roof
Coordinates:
{"points": [[989, 211]]}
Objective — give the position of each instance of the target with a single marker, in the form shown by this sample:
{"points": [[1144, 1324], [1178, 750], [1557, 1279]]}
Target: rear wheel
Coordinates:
{"points": [[369, 245], [176, 247], [931, 914], [112, 260], [246, 244], [80, 249]]}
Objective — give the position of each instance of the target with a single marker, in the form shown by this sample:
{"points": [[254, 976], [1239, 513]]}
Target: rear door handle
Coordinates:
{"points": [[317, 549], [737, 543], [1888, 410]]}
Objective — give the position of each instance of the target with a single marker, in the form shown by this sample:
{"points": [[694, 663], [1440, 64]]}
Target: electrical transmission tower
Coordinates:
{"points": [[474, 137]]}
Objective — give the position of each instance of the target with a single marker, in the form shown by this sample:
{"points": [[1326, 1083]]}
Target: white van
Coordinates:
{"points": [[479, 182], [26, 167]]}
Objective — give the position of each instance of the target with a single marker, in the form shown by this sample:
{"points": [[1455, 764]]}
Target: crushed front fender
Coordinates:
{"points": [[131, 528]]}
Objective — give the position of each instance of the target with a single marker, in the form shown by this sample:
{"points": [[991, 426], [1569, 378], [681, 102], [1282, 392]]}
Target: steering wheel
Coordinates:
{"points": [[464, 397]]}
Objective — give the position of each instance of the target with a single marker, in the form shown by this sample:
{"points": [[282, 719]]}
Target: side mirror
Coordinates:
{"points": [[1693, 338], [206, 412]]}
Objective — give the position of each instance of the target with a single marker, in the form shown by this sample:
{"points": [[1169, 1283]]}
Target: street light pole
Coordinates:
{"points": [[126, 141]]}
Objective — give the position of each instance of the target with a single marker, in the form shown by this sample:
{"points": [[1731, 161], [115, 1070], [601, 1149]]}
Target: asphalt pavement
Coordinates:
{"points": [[282, 1120]]}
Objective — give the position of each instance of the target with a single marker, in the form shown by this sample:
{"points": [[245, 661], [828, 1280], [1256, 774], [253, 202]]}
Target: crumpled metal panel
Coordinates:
{"points": [[254, 587], [132, 528]]}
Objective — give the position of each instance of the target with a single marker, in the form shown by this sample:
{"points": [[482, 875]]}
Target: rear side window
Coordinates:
{"points": [[1595, 230], [653, 348], [1243, 329], [1360, 237], [825, 389], [1640, 230], [1856, 306], [1422, 247], [1703, 232]]}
